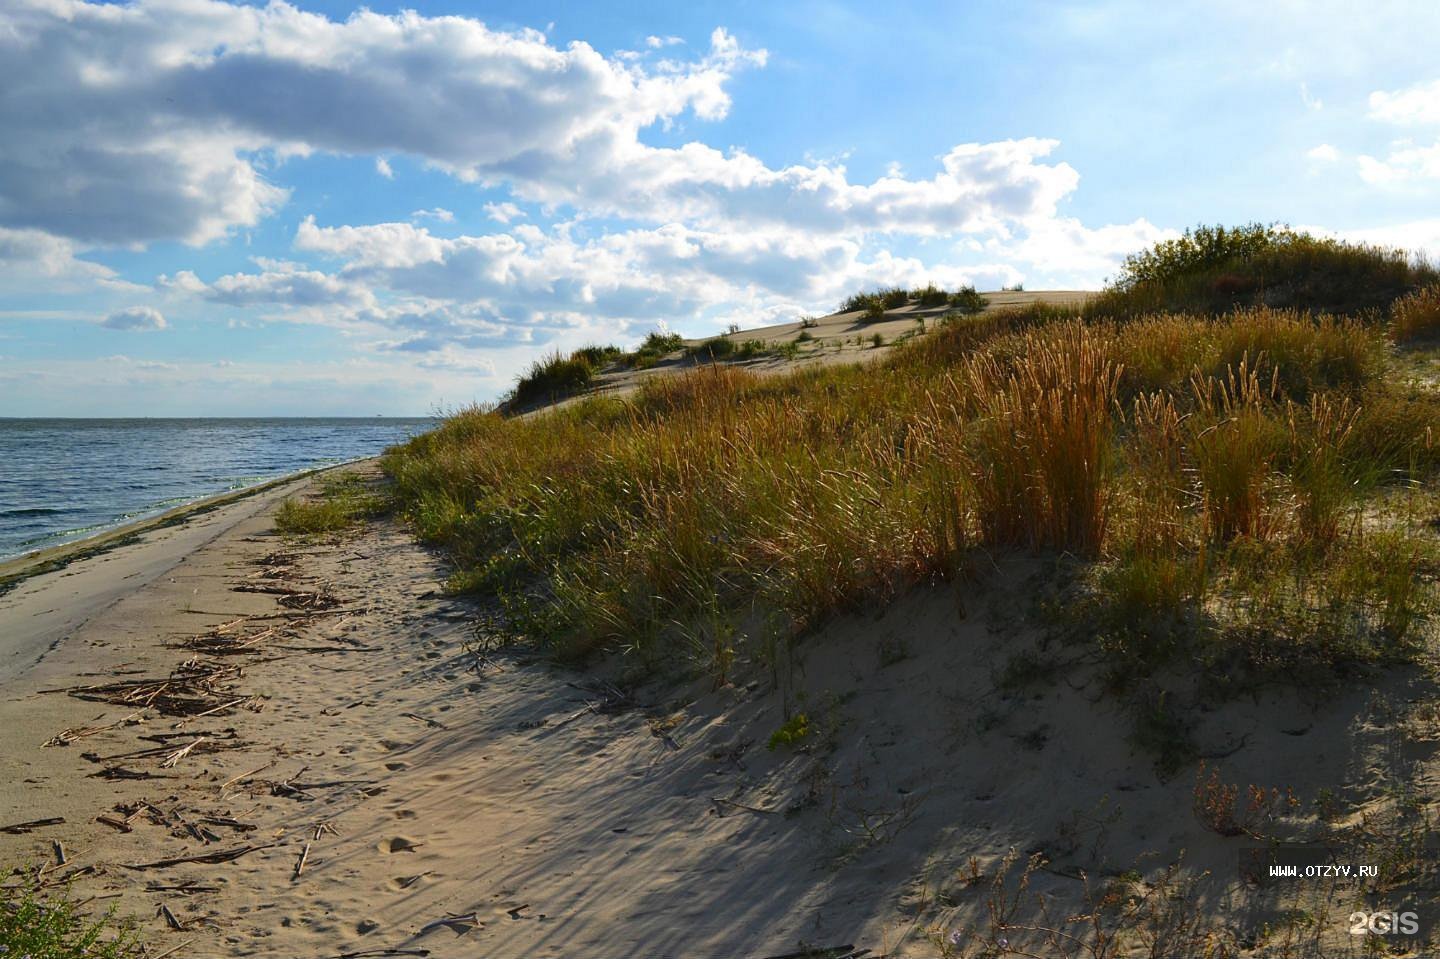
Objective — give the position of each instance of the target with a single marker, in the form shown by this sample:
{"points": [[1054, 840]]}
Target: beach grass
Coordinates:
{"points": [[1211, 475], [343, 502]]}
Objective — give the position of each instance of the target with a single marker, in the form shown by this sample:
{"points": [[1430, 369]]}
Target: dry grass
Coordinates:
{"points": [[1416, 316], [715, 510]]}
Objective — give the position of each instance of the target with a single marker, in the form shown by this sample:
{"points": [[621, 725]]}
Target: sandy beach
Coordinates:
{"points": [[283, 748]]}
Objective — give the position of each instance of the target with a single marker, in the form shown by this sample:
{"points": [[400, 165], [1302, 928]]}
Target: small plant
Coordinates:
{"points": [[33, 926], [792, 732], [877, 340], [343, 502], [1016, 288], [808, 322], [874, 309], [805, 336]]}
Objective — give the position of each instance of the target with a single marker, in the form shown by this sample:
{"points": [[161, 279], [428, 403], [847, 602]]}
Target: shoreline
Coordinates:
{"points": [[14, 570], [46, 597]]}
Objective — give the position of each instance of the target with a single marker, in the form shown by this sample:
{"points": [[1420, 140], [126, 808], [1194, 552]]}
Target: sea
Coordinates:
{"points": [[67, 479]]}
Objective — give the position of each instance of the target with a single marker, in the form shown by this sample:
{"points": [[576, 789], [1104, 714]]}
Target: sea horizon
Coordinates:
{"points": [[70, 478]]}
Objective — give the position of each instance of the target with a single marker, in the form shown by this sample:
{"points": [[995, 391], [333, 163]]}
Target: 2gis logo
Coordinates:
{"points": [[1384, 923]]}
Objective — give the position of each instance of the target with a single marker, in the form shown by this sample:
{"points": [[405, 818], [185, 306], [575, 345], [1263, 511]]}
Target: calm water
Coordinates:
{"points": [[62, 480]]}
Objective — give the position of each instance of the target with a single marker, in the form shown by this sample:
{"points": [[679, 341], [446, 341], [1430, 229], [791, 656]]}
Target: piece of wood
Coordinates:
{"points": [[59, 849], [172, 950], [20, 828], [170, 919], [227, 855], [300, 863], [258, 769], [741, 805]]}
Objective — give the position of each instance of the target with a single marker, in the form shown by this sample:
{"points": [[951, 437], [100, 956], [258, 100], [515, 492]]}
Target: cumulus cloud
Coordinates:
{"points": [[382, 167], [138, 319], [1415, 105], [438, 213], [1323, 153], [153, 113], [127, 124]]}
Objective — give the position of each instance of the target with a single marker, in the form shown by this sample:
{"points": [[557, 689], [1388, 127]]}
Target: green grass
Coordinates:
{"points": [[52, 926], [343, 502], [551, 378]]}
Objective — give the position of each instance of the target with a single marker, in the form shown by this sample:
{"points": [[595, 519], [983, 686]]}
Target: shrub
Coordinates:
{"points": [[930, 295], [1416, 316], [718, 348], [34, 927], [893, 298], [551, 378], [598, 356], [967, 300], [1215, 269], [859, 302]]}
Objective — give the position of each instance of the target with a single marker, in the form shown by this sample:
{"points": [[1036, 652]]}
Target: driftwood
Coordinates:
{"points": [[300, 862], [20, 828], [227, 855], [67, 736], [740, 805]]}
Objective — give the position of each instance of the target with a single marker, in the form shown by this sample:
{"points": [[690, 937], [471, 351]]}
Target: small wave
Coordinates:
{"points": [[34, 511]]}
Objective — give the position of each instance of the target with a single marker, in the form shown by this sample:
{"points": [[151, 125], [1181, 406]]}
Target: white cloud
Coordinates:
{"points": [[438, 213], [135, 319], [1311, 102], [1415, 105], [656, 43], [1403, 163], [503, 212], [142, 122], [35, 259], [1323, 153], [382, 167]]}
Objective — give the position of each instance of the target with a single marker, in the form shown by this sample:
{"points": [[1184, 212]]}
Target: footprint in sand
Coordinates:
{"points": [[405, 814], [396, 766], [398, 844]]}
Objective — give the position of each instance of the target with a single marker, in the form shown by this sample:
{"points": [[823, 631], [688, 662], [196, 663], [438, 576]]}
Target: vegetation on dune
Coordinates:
{"points": [[39, 926], [551, 378], [343, 502], [1208, 475], [875, 304], [1417, 316], [1218, 269]]}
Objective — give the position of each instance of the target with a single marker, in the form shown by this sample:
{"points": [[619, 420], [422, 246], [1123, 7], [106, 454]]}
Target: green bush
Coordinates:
{"points": [[550, 378], [967, 300], [719, 348], [1216, 269], [930, 295], [32, 927]]}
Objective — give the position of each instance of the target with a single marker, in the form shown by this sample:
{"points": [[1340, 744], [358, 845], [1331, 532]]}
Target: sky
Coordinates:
{"points": [[227, 209]]}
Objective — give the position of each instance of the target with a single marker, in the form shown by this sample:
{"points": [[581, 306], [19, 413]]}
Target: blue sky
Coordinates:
{"points": [[210, 208]]}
